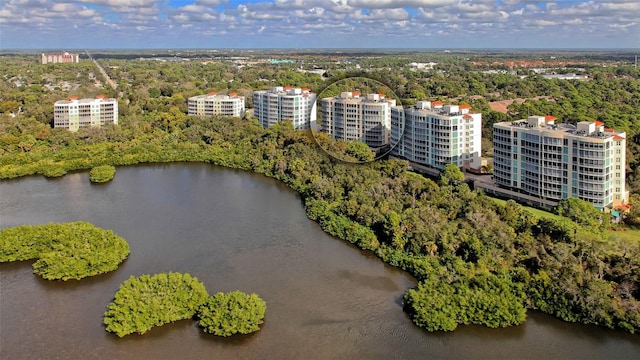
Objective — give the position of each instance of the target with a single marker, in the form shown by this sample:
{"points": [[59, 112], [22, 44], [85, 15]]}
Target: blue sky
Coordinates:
{"points": [[91, 24]]}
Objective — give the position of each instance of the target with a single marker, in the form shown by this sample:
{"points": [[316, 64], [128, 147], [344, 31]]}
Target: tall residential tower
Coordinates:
{"points": [[285, 103], [553, 161], [350, 116], [435, 134]]}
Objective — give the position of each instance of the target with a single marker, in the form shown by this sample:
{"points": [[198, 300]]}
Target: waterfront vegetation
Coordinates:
{"points": [[231, 313], [477, 261], [102, 174], [64, 251], [147, 301]]}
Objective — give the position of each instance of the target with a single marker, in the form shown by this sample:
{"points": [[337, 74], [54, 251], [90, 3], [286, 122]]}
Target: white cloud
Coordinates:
{"points": [[402, 21], [396, 4]]}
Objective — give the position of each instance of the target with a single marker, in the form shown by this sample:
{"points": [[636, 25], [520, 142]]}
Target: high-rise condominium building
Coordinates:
{"points": [[74, 113], [285, 103], [351, 116], [436, 134], [553, 161], [59, 58], [215, 104]]}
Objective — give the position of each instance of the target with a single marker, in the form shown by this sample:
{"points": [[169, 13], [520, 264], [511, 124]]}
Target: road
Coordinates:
{"points": [[104, 73]]}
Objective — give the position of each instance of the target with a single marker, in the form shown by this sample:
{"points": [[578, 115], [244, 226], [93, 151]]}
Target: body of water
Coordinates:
{"points": [[233, 230]]}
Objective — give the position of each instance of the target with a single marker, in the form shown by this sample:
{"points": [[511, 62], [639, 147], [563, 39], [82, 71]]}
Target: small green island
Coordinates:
{"points": [[64, 251], [147, 301], [102, 174]]}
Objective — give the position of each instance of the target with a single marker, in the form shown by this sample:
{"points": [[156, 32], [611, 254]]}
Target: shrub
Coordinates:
{"points": [[232, 313], [102, 174]]}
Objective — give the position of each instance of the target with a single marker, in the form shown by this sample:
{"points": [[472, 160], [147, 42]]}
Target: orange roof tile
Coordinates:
{"points": [[356, 93], [434, 103], [288, 87], [306, 89], [212, 93], [467, 116], [381, 95], [465, 106], [617, 137], [73, 97], [550, 118], [599, 123], [624, 207], [233, 94], [100, 96]]}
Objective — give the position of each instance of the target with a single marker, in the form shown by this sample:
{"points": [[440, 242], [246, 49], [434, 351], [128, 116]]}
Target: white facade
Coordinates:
{"points": [[73, 114], [59, 58], [436, 134], [214, 104], [352, 117], [285, 103], [557, 161]]}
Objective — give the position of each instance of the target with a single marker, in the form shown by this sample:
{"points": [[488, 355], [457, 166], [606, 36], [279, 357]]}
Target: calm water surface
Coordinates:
{"points": [[238, 231]]}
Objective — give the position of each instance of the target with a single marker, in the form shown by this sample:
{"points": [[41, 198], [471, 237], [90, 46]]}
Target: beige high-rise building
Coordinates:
{"points": [[351, 116], [74, 113], [553, 161], [285, 103], [434, 134], [216, 104]]}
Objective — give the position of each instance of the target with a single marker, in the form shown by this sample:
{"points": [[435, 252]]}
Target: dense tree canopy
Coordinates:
{"points": [[64, 251], [231, 313], [147, 301]]}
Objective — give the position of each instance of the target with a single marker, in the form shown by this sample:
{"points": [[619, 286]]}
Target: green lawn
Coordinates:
{"points": [[628, 234], [537, 212]]}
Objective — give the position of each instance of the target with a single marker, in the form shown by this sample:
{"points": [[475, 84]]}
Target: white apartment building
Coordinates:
{"points": [[553, 161], [436, 134], [285, 103], [216, 104], [74, 113], [59, 58], [350, 116]]}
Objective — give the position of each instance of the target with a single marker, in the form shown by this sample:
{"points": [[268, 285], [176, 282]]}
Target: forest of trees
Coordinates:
{"points": [[477, 261]]}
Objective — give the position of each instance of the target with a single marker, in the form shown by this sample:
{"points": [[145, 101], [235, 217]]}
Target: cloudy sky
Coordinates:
{"points": [[91, 24]]}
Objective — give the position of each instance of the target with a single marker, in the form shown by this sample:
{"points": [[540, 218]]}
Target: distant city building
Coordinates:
{"points": [[74, 113], [350, 116], [60, 58], [216, 104], [436, 134], [414, 66], [553, 161], [285, 103]]}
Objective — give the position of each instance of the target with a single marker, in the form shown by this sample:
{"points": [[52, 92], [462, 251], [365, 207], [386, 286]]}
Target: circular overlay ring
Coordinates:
{"points": [[357, 120]]}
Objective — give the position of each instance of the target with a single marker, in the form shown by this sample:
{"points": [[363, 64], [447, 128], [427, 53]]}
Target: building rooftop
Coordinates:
{"points": [[439, 108], [286, 90], [74, 99], [590, 129]]}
